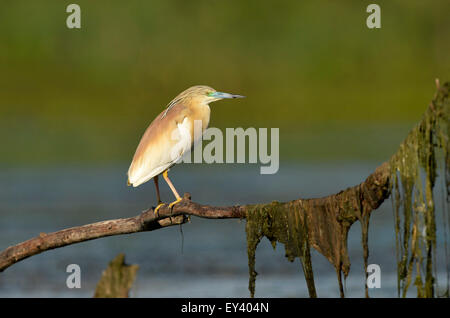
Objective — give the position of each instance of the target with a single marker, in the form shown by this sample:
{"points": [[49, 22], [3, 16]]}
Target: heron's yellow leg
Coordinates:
{"points": [[160, 203], [175, 193]]}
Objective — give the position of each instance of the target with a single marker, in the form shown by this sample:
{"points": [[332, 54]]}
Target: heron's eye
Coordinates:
{"points": [[209, 94]]}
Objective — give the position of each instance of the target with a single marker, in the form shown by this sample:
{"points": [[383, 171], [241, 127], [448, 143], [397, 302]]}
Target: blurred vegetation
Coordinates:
{"points": [[336, 89], [117, 279]]}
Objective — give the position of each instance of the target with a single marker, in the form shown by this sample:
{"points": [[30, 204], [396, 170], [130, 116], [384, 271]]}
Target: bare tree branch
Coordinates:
{"points": [[148, 221]]}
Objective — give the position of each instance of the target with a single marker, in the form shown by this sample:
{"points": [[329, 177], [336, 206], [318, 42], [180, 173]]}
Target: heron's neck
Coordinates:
{"points": [[201, 111]]}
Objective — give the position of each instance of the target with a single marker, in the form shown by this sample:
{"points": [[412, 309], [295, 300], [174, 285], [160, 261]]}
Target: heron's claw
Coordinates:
{"points": [[157, 208], [174, 202]]}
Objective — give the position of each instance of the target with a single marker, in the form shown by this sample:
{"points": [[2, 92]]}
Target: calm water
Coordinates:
{"points": [[208, 259]]}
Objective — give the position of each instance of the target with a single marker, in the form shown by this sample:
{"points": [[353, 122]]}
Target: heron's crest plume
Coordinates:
{"points": [[194, 91]]}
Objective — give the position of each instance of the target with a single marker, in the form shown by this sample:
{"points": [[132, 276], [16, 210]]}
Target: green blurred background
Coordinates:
{"points": [[336, 89], [74, 104]]}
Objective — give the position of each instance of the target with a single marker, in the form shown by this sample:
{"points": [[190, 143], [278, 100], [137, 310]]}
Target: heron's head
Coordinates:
{"points": [[206, 94]]}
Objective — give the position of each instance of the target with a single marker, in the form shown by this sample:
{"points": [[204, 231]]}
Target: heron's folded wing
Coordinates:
{"points": [[163, 144]]}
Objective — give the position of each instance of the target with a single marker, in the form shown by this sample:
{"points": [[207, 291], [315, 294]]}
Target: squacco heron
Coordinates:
{"points": [[171, 135]]}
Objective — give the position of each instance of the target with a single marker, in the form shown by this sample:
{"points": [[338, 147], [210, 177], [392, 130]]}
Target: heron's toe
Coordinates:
{"points": [[159, 206], [174, 202]]}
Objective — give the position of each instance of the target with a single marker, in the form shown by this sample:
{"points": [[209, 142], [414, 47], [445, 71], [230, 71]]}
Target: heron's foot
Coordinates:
{"points": [[174, 202], [157, 208]]}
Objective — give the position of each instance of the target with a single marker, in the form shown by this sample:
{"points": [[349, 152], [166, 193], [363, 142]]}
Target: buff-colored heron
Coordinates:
{"points": [[171, 135]]}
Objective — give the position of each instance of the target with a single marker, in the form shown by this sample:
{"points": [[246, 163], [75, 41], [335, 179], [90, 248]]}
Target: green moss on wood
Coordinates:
{"points": [[324, 223], [284, 223], [413, 170]]}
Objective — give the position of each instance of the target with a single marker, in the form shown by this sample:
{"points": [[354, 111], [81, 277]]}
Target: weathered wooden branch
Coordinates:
{"points": [[148, 221]]}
